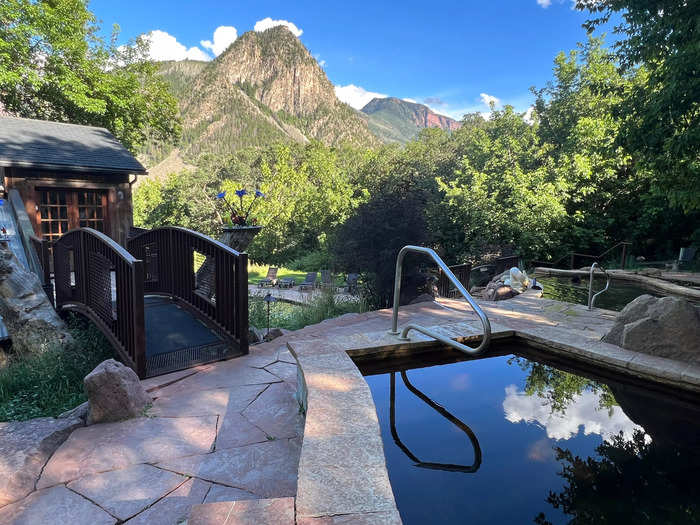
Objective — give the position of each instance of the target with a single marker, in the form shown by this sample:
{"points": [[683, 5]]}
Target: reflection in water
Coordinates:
{"points": [[627, 452], [634, 481], [582, 410], [440, 410]]}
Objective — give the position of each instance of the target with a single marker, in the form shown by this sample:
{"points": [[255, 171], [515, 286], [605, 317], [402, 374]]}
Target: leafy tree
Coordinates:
{"points": [[54, 66], [633, 481], [502, 192], [662, 112], [559, 387]]}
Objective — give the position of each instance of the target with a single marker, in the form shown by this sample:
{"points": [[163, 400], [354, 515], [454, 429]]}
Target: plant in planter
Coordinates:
{"points": [[239, 227]]}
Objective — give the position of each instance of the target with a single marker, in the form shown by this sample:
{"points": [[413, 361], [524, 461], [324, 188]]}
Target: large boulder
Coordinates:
{"points": [[25, 447], [114, 393], [26, 311], [666, 327]]}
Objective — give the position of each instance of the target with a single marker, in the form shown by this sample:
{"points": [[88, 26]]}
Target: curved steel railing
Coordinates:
{"points": [[451, 467], [462, 290], [591, 297]]}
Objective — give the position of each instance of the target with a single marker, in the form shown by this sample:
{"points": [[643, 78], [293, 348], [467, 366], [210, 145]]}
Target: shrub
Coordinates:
{"points": [[312, 261], [293, 317], [51, 382]]}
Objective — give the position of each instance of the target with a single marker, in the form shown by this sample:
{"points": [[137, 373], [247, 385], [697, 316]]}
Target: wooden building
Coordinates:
{"points": [[69, 176]]}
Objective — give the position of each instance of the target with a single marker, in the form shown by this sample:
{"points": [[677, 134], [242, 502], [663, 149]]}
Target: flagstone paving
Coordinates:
{"points": [[228, 442]]}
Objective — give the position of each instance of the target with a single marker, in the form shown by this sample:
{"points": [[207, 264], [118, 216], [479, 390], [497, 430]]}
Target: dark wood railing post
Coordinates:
{"points": [[241, 295], [624, 255], [138, 318]]}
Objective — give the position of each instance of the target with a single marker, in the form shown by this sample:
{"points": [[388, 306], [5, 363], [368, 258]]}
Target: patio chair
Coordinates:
{"points": [[351, 283], [309, 281], [271, 278], [286, 282]]}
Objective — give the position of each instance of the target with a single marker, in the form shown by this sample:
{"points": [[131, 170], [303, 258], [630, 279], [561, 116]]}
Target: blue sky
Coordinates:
{"points": [[451, 55]]}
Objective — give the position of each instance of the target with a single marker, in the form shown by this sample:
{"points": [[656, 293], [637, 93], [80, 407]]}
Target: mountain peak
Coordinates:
{"points": [[265, 88], [396, 120]]}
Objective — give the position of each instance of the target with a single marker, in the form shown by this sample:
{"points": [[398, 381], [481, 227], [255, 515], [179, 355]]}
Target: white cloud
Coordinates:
{"points": [[223, 37], [544, 3], [322, 63], [527, 117], [410, 100], [583, 411], [164, 46], [267, 23], [489, 99], [356, 96]]}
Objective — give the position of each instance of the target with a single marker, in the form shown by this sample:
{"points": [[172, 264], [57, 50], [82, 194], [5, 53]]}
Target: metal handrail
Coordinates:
{"points": [[450, 467], [591, 297], [448, 273]]}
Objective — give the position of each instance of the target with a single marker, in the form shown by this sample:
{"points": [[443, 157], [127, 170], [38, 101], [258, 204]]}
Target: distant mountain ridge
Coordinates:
{"points": [[396, 120], [265, 88]]}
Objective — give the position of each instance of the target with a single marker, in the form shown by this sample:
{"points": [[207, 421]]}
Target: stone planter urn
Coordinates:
{"points": [[239, 237]]}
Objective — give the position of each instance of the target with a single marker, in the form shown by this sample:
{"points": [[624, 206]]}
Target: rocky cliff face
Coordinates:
{"points": [[265, 88], [396, 120]]}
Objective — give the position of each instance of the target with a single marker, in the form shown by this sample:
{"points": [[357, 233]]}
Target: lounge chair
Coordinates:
{"points": [[309, 281], [351, 283], [271, 279], [286, 282]]}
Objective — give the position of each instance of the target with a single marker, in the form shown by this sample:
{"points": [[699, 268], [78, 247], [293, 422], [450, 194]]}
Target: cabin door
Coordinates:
{"points": [[61, 210]]}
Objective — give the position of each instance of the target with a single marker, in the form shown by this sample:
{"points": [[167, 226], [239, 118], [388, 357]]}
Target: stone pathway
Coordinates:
{"points": [[225, 432], [227, 443]]}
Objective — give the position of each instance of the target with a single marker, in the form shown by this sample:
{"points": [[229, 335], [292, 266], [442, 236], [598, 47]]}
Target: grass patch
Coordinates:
{"points": [[294, 317], [49, 383], [257, 272]]}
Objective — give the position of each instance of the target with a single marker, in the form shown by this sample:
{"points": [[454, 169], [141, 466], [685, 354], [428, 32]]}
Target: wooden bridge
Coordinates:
{"points": [[172, 299]]}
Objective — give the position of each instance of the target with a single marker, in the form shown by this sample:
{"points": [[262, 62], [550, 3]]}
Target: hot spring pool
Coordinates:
{"points": [[615, 298], [514, 439]]}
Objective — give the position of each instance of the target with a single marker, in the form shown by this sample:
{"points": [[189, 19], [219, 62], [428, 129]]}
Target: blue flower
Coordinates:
{"points": [[221, 195], [259, 193], [240, 193]]}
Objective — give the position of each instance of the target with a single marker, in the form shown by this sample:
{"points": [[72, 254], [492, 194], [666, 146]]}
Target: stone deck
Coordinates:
{"points": [[227, 442]]}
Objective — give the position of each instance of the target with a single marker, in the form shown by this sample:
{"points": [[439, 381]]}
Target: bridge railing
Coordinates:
{"points": [[89, 268], [208, 276]]}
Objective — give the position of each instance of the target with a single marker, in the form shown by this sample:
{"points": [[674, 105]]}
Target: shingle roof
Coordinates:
{"points": [[43, 144]]}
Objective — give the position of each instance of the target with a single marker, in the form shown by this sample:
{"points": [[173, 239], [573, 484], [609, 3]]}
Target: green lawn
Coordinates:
{"points": [[257, 272]]}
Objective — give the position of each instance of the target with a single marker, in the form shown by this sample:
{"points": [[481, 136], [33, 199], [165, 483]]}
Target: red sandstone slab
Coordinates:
{"points": [[226, 374], [369, 518], [218, 493], [285, 371], [195, 402], [176, 506], [236, 431], [55, 506], [124, 493], [276, 412], [266, 469], [112, 446], [278, 511]]}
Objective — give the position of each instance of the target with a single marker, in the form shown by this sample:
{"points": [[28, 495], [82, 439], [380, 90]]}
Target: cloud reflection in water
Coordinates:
{"points": [[584, 410]]}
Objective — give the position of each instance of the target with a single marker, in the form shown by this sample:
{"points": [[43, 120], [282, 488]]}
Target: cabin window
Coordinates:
{"points": [[61, 210]]}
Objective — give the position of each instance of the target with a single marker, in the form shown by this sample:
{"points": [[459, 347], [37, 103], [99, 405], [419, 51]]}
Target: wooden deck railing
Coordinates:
{"points": [[462, 272], [172, 257], [84, 260]]}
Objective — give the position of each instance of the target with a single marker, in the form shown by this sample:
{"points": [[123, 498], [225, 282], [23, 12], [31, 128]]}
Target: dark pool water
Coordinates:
{"points": [[615, 298], [510, 440]]}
